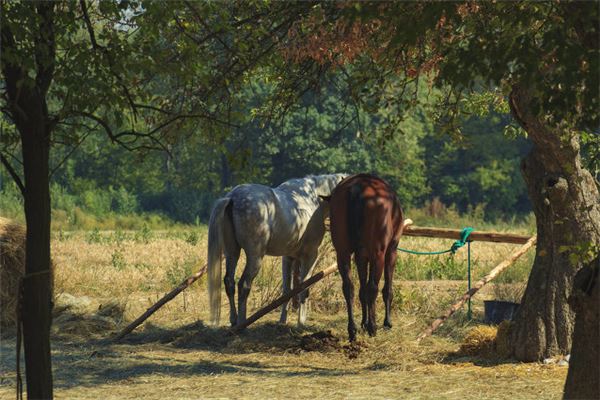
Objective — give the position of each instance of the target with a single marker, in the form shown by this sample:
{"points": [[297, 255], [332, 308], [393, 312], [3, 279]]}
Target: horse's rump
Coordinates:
{"points": [[371, 205]]}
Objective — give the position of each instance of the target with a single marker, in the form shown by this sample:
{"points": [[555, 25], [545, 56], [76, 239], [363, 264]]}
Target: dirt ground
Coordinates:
{"points": [[174, 355]]}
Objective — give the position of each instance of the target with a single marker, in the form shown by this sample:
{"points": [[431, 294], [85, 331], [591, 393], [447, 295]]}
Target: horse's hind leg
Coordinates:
{"points": [[232, 255], [307, 264], [377, 264], [245, 283], [388, 290], [286, 286], [343, 261], [362, 264]]}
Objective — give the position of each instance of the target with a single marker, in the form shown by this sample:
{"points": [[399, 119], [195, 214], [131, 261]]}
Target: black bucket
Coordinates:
{"points": [[498, 311]]}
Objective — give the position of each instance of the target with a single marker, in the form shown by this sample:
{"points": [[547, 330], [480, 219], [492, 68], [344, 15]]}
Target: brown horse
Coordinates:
{"points": [[366, 219]]}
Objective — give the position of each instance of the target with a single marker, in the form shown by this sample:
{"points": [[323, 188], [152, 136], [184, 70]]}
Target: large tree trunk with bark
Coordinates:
{"points": [[37, 296], [583, 379], [26, 99], [566, 204]]}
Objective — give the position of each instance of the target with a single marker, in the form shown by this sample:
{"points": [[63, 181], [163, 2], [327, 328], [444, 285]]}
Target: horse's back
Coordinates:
{"points": [[271, 221]]}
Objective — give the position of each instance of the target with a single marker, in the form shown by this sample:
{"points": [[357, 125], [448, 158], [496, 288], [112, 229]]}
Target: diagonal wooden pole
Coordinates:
{"points": [[278, 302], [166, 298], [493, 273]]}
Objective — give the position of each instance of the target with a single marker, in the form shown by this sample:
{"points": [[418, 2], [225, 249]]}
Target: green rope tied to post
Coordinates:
{"points": [[464, 238]]}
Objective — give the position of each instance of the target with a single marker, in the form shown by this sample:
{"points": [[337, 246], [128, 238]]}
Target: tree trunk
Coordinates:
{"points": [[26, 91], [583, 379], [566, 204], [36, 311]]}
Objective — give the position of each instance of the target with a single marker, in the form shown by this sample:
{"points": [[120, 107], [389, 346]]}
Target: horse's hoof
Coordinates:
{"points": [[372, 330], [387, 325], [352, 333]]}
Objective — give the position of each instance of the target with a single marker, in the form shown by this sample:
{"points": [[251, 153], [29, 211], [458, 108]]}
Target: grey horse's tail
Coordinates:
{"points": [[215, 254]]}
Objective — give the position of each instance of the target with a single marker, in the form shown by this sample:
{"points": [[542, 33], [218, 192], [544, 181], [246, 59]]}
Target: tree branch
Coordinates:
{"points": [[70, 152], [106, 52], [121, 137], [45, 46], [13, 72], [13, 174], [205, 25]]}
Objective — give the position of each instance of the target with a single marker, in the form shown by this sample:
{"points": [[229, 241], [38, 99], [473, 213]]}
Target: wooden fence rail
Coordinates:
{"points": [[497, 237]]}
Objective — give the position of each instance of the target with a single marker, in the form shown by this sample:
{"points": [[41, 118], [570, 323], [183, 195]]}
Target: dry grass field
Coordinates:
{"points": [[103, 280]]}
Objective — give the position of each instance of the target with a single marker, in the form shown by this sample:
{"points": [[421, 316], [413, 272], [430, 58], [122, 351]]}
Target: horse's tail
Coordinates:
{"points": [[356, 206], [215, 254]]}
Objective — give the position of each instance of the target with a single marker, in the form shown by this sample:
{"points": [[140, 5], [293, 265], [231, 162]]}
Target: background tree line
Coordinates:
{"points": [[321, 134]]}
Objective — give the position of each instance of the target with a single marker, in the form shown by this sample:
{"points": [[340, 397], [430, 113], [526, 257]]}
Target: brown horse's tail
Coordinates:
{"points": [[356, 209], [215, 254]]}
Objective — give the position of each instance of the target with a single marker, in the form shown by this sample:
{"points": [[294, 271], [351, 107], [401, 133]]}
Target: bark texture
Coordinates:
{"points": [[37, 296], [566, 204], [583, 379]]}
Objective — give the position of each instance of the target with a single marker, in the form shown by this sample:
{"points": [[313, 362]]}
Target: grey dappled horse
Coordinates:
{"points": [[283, 221]]}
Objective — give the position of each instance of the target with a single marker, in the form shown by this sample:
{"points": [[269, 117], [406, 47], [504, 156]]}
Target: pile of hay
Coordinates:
{"points": [[487, 341], [479, 341], [12, 268]]}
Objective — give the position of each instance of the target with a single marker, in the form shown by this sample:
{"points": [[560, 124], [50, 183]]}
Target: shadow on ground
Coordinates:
{"points": [[94, 360], [267, 337], [454, 358]]}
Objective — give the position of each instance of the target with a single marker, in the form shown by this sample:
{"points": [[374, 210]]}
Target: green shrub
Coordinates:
{"points": [[60, 199], [11, 201], [144, 235], [119, 236], [96, 202], [178, 272], [118, 260], [123, 202], [94, 236], [192, 238]]}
